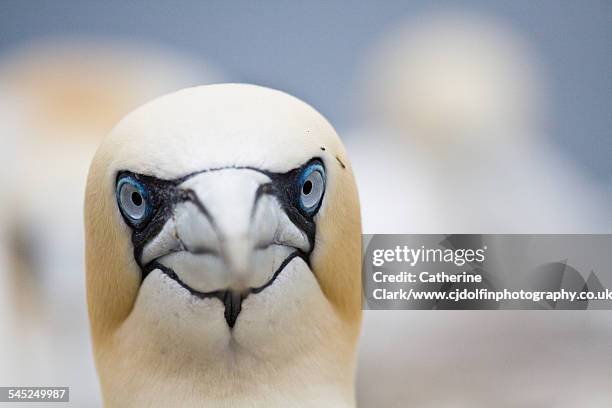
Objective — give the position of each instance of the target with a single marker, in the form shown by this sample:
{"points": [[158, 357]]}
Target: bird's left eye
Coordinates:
{"points": [[312, 187], [133, 200]]}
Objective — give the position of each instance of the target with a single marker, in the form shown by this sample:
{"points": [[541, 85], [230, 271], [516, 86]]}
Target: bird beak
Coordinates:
{"points": [[228, 237]]}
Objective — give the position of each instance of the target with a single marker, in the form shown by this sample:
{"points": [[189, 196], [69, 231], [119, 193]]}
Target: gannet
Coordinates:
{"points": [[456, 106], [223, 254]]}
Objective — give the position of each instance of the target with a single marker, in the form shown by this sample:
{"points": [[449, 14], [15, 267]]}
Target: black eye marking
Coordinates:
{"points": [[322, 148], [164, 195], [288, 190], [161, 197]]}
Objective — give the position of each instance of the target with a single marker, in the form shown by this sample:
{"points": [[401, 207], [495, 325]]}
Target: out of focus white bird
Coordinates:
{"points": [[59, 98], [457, 109], [456, 143]]}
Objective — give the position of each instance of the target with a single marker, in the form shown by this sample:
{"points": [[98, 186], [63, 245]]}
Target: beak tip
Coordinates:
{"points": [[233, 306]]}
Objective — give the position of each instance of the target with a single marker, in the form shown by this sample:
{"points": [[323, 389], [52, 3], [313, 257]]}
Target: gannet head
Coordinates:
{"points": [[222, 239]]}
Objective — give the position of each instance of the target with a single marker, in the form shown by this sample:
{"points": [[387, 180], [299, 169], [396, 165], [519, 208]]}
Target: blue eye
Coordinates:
{"points": [[133, 200], [312, 187]]}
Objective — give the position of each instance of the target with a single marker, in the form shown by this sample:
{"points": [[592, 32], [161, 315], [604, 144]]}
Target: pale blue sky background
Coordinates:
{"points": [[313, 49]]}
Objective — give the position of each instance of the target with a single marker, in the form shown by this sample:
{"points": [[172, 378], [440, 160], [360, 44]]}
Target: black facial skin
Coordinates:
{"points": [[164, 195]]}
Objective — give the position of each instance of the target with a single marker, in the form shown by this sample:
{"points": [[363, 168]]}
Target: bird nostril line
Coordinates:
{"points": [[201, 250], [264, 245]]}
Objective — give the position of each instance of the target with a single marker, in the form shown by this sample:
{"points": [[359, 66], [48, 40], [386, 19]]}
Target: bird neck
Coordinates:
{"points": [[141, 366], [150, 376]]}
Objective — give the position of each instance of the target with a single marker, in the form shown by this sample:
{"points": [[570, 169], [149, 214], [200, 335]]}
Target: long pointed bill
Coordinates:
{"points": [[229, 237]]}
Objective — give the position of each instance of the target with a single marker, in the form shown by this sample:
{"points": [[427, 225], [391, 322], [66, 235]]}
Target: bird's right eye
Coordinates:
{"points": [[133, 200]]}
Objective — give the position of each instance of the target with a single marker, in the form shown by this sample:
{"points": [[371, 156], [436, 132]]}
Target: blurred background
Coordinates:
{"points": [[469, 117]]}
